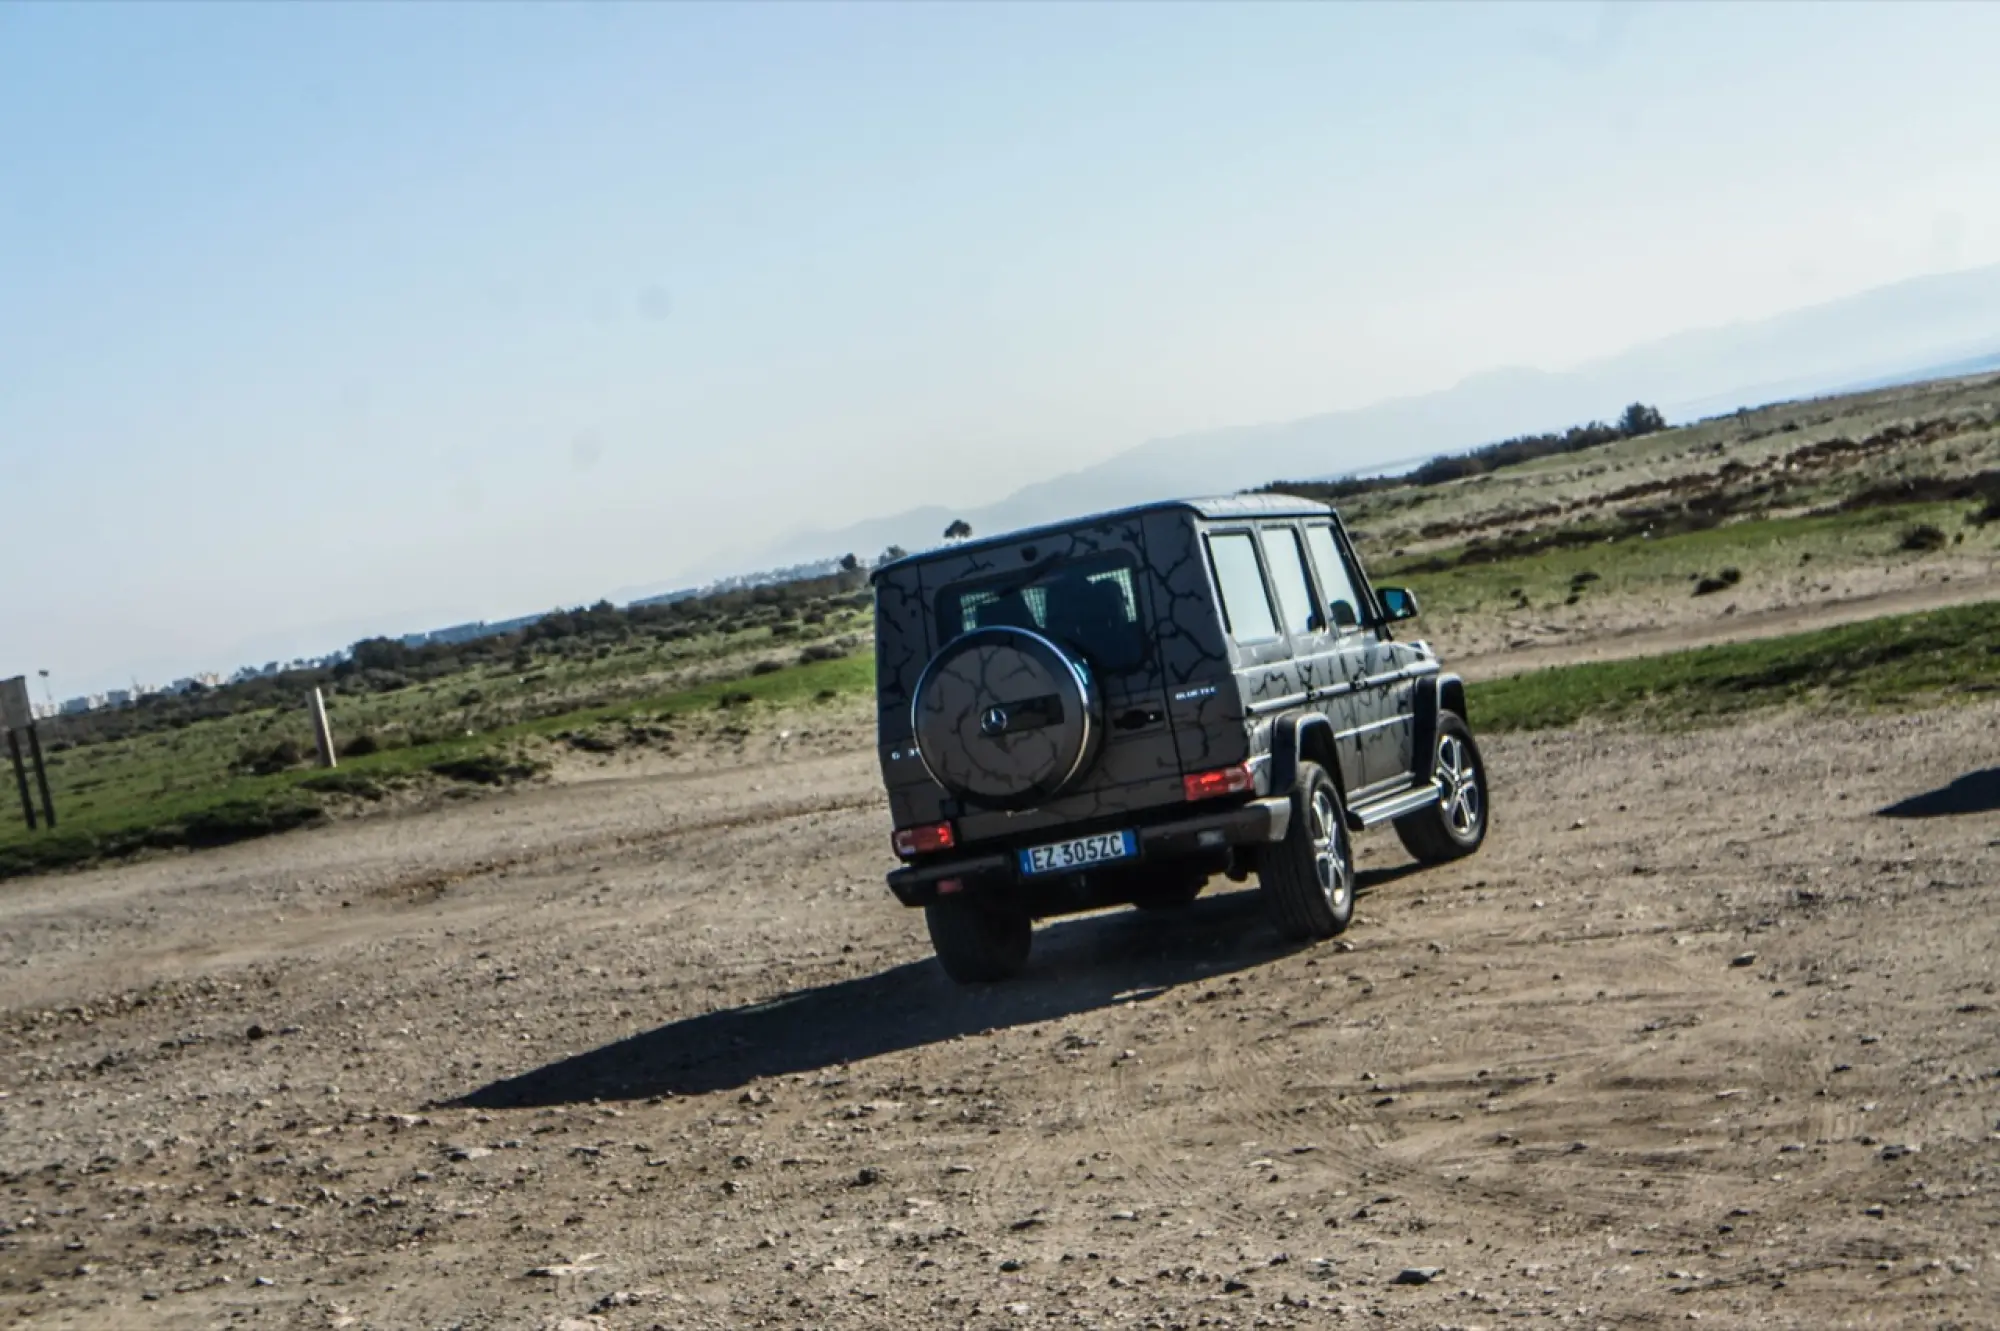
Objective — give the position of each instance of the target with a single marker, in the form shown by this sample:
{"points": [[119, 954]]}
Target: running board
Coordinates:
{"points": [[1396, 806]]}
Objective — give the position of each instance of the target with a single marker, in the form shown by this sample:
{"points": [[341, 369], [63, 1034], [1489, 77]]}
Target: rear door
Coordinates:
{"points": [[1086, 591], [1260, 650], [1383, 708], [1326, 658]]}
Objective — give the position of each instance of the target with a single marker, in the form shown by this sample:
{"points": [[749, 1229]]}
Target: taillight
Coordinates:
{"points": [[923, 840], [1222, 781]]}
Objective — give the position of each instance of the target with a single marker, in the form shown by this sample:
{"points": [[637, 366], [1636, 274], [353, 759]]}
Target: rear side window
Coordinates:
{"points": [[1246, 605], [1343, 603], [1288, 574], [1088, 605]]}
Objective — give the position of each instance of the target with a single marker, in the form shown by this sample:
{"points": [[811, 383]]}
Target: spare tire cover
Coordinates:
{"points": [[1006, 719]]}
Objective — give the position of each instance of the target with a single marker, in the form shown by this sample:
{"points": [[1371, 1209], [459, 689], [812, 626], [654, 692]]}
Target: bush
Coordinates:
{"points": [[821, 651], [1921, 537], [767, 667], [361, 746], [735, 698], [357, 784], [485, 769], [238, 820], [270, 759]]}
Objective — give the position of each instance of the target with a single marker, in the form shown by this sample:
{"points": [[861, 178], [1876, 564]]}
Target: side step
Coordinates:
{"points": [[1381, 811]]}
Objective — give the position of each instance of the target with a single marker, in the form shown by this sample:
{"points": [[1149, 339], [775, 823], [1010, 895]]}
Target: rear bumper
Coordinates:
{"points": [[1259, 822]]}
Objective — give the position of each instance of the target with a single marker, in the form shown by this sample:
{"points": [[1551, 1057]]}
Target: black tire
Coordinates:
{"points": [[1308, 878], [1455, 826], [979, 941], [1169, 889]]}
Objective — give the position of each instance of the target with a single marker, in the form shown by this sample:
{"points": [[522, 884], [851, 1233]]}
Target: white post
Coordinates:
{"points": [[322, 734]]}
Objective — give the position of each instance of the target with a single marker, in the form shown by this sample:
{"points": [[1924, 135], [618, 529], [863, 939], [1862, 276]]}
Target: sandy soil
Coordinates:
{"points": [[1702, 1031]]}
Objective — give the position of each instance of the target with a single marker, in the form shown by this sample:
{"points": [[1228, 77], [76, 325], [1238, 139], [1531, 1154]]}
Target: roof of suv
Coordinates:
{"points": [[1213, 507]]}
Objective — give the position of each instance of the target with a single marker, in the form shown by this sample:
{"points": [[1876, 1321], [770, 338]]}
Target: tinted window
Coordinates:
{"points": [[1288, 574], [1343, 603], [1246, 606], [1088, 605]]}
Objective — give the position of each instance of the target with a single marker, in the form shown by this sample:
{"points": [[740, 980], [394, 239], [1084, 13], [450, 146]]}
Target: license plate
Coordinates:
{"points": [[1081, 853]]}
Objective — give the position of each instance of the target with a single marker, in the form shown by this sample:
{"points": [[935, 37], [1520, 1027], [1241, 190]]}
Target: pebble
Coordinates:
{"points": [[1417, 1275], [1744, 959]]}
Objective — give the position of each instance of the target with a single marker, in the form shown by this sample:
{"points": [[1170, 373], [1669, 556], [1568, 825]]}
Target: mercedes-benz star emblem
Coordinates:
{"points": [[994, 722]]}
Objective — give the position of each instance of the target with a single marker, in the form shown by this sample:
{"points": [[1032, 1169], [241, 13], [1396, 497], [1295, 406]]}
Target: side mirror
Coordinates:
{"points": [[1397, 603]]}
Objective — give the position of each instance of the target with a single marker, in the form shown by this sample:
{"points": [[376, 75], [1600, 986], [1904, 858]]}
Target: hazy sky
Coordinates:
{"points": [[318, 320]]}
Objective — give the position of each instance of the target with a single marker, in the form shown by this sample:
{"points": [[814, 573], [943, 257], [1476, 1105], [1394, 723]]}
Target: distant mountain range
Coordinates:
{"points": [[1928, 327]]}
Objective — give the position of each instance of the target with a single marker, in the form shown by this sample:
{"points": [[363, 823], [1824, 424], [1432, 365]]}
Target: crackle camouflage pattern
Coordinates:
{"points": [[1005, 720], [1197, 701]]}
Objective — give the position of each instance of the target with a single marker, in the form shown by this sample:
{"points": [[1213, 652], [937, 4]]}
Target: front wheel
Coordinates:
{"points": [[1455, 826], [979, 941], [1308, 878]]}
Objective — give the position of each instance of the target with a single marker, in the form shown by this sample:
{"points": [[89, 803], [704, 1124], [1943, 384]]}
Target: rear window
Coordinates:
{"points": [[1088, 605]]}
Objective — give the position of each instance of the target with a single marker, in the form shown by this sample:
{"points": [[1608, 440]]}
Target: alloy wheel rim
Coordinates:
{"points": [[1329, 857], [1458, 776]]}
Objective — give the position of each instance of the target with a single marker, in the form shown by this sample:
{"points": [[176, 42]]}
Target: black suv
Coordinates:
{"points": [[1114, 709]]}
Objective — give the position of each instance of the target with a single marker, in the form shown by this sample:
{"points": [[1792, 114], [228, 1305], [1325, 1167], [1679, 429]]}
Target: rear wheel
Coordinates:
{"points": [[1455, 826], [979, 941], [1308, 878]]}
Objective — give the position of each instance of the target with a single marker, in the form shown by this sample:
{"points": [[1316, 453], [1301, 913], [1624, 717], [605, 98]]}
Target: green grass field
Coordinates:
{"points": [[1899, 661], [181, 788]]}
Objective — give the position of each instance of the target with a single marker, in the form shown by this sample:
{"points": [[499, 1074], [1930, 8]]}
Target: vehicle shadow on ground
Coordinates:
{"points": [[1975, 792], [1078, 965]]}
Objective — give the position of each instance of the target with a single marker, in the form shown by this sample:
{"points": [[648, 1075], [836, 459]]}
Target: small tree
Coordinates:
{"points": [[892, 554], [849, 563], [1641, 419], [959, 530]]}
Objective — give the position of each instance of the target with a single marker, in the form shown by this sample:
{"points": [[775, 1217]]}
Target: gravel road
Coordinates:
{"points": [[1709, 1028]]}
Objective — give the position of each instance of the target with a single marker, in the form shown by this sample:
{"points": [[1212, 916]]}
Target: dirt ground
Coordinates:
{"points": [[1708, 1030]]}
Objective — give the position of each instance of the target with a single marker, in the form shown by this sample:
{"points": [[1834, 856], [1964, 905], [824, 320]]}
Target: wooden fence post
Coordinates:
{"points": [[322, 734], [21, 778], [41, 775]]}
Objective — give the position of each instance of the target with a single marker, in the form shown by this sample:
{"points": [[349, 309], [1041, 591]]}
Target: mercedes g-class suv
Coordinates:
{"points": [[1114, 709]]}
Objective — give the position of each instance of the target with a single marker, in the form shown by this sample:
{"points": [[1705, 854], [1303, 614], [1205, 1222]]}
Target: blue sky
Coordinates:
{"points": [[320, 320]]}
